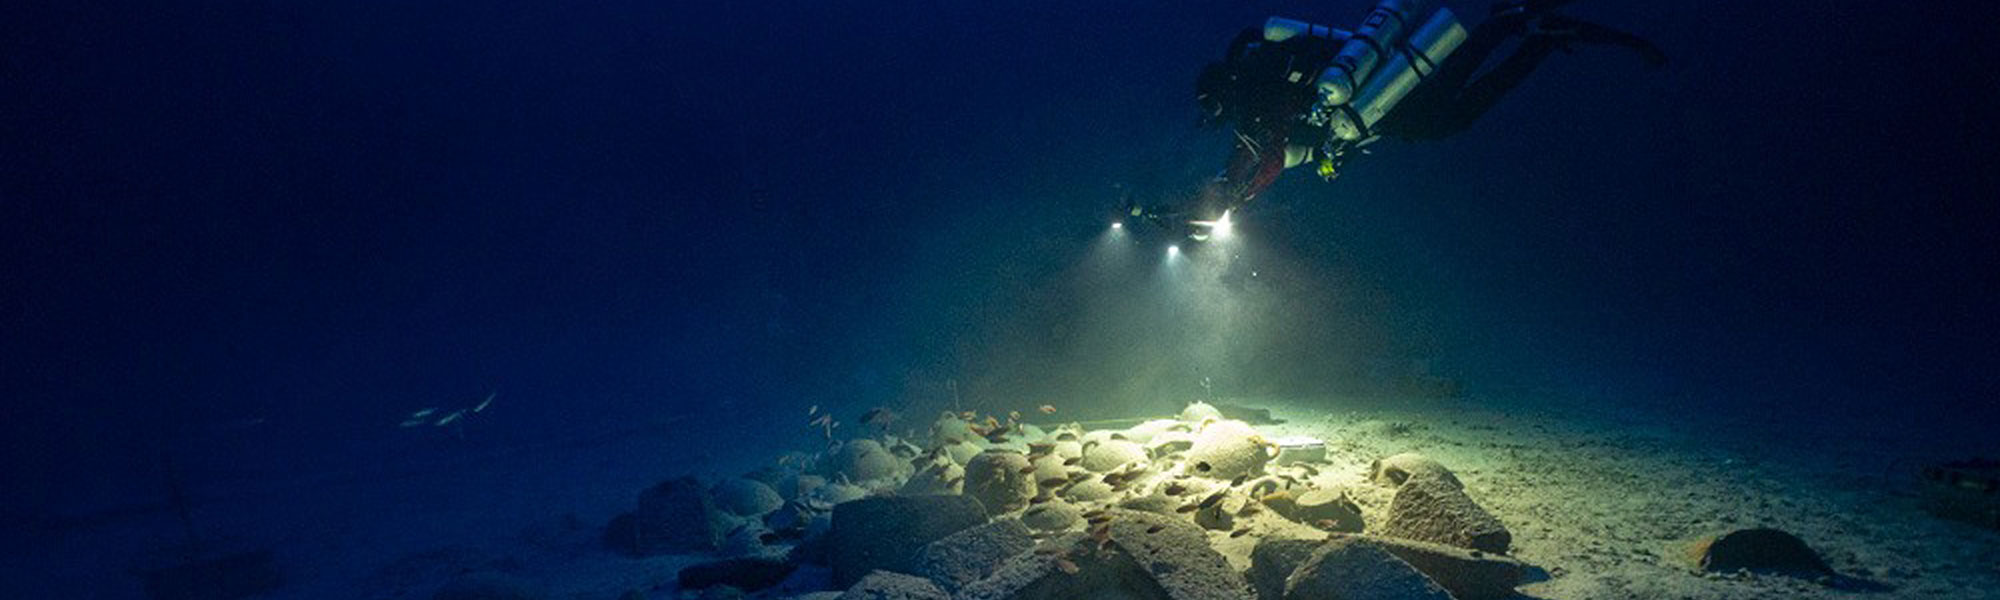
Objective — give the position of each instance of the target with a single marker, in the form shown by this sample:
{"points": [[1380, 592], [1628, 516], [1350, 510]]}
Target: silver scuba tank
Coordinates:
{"points": [[1413, 61], [1380, 31], [1278, 29]]}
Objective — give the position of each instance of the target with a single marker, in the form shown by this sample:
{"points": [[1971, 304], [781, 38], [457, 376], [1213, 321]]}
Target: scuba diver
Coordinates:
{"points": [[1298, 93]]}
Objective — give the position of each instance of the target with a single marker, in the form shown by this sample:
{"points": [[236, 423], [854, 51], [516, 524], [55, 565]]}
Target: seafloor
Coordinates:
{"points": [[1604, 501]]}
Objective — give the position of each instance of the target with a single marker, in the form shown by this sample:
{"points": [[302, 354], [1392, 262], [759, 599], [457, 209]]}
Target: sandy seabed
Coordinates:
{"points": [[1604, 500]]}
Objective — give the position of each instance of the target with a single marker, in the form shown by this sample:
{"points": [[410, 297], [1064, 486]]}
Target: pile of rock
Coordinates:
{"points": [[986, 510]]}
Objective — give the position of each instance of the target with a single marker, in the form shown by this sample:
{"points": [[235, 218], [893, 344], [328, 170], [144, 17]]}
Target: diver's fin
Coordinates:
{"points": [[1565, 30]]}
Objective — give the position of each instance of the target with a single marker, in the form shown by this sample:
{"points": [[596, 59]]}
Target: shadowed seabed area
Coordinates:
{"points": [[795, 300]]}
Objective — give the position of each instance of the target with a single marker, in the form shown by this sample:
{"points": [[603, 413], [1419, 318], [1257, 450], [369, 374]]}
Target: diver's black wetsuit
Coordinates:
{"points": [[1258, 89]]}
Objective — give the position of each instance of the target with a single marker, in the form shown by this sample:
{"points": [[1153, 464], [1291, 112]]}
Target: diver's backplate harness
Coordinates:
{"points": [[1398, 45]]}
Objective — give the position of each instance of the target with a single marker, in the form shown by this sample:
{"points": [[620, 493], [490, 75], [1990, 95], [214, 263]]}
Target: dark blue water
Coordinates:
{"points": [[252, 233]]}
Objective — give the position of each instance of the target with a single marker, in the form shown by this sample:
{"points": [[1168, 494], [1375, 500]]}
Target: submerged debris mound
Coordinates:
{"points": [[1353, 568], [886, 532], [990, 508], [1758, 550]]}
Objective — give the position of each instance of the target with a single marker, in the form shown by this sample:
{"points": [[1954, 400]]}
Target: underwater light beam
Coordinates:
{"points": [[1221, 228]]}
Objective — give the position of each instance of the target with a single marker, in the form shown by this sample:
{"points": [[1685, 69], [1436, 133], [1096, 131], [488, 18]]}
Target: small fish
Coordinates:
{"points": [[423, 413], [1027, 469], [1093, 514], [1053, 481], [1324, 523], [1202, 467], [1214, 498], [485, 403], [968, 415], [448, 419], [954, 481], [1155, 528], [1071, 462], [1038, 499], [812, 411], [1239, 533], [997, 435], [413, 423], [1013, 415], [1098, 520], [1047, 409], [1239, 480], [1068, 566], [1188, 508], [1249, 509], [1047, 550]]}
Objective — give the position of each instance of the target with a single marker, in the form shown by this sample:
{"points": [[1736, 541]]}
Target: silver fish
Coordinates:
{"points": [[448, 419], [484, 403], [423, 413]]}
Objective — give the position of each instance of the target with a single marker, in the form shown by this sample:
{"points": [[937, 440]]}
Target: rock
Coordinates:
{"points": [[674, 517], [1145, 556], [1394, 470], [1198, 411], [1326, 509], [865, 461], [1109, 454], [1156, 503], [1054, 515], [1144, 433], [1434, 509], [886, 532], [1273, 560], [721, 592], [818, 596], [951, 429], [835, 494], [1760, 550], [884, 585], [750, 573], [1467, 574], [1353, 568], [941, 477], [1068, 448], [1228, 449], [1001, 480], [489, 586], [798, 485], [972, 554], [1169, 442], [1050, 466], [747, 540], [1089, 490], [962, 452], [746, 497]]}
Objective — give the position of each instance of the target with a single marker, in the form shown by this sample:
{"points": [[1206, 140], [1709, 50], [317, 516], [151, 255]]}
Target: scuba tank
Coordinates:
{"points": [[1362, 85], [1278, 29], [1380, 31], [1410, 59], [1414, 60]]}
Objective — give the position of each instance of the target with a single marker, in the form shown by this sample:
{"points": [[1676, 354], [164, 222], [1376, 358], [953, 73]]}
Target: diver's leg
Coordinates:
{"points": [[1566, 29], [1455, 109]]}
